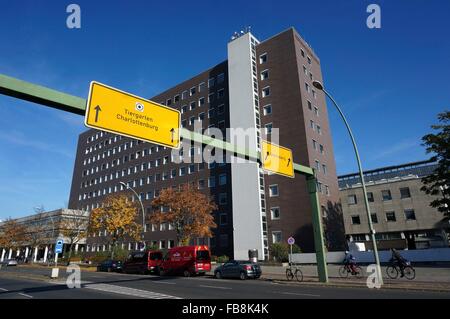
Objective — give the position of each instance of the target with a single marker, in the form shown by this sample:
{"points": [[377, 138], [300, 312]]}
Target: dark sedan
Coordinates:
{"points": [[238, 269], [110, 266]]}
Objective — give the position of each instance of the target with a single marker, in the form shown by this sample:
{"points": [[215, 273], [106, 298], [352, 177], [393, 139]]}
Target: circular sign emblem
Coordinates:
{"points": [[291, 241], [139, 107]]}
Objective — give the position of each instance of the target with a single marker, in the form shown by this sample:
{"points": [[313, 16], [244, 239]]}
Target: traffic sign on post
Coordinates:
{"points": [[59, 246], [277, 159], [115, 111], [291, 241]]}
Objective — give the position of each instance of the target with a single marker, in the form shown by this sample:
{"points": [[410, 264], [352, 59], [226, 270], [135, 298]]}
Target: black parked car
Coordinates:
{"points": [[110, 266], [238, 269]]}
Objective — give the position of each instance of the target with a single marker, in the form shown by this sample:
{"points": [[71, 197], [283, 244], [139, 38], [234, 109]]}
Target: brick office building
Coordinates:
{"points": [[261, 86]]}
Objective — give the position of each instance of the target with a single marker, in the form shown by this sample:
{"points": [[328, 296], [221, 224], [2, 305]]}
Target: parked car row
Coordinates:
{"points": [[185, 260]]}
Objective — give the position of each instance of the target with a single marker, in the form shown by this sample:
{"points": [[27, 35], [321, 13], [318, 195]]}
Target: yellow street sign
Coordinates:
{"points": [[277, 159], [115, 111]]}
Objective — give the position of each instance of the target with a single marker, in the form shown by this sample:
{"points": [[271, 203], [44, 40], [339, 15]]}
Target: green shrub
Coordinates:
{"points": [[280, 251], [222, 259]]}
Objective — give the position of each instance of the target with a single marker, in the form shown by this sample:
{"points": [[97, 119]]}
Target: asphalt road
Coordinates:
{"points": [[15, 283]]}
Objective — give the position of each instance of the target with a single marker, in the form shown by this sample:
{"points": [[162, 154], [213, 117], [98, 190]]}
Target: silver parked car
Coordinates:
{"points": [[9, 262]]}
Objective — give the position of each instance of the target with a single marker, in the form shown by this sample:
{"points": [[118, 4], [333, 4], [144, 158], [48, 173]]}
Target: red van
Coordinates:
{"points": [[143, 262], [188, 260]]}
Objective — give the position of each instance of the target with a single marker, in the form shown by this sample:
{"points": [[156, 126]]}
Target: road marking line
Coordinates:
{"points": [[129, 291], [163, 282], [298, 294], [3, 289], [25, 295], [217, 287]]}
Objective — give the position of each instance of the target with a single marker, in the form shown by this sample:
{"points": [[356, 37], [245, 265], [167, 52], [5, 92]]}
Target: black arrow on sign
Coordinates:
{"points": [[172, 131], [97, 109], [267, 155], [289, 161]]}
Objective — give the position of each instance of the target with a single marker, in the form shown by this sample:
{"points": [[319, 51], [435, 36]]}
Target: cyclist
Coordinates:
{"points": [[350, 261], [399, 260]]}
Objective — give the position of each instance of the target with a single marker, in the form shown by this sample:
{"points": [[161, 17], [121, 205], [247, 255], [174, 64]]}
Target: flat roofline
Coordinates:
{"points": [[387, 168]]}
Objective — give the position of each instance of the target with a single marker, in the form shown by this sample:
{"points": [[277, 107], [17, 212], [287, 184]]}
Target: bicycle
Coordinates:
{"points": [[292, 272], [346, 269], [394, 270]]}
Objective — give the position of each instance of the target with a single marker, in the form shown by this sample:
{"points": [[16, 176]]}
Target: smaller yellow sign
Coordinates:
{"points": [[115, 111], [277, 159]]}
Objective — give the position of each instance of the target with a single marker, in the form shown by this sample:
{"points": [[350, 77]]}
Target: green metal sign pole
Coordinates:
{"points": [[321, 258], [45, 96]]}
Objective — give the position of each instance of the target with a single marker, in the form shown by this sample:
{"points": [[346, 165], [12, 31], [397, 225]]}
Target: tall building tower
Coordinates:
{"points": [[263, 89]]}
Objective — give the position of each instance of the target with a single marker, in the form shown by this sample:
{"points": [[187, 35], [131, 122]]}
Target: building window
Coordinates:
{"points": [[210, 97], [316, 110], [390, 217], [222, 198], [267, 109], [268, 128], [307, 87], [386, 194], [224, 240], [201, 184], [183, 109], [182, 171], [370, 197], [314, 144], [264, 74], [176, 98], [405, 193], [309, 105], [275, 213], [266, 91], [410, 214], [319, 130], [222, 179], [356, 220], [302, 52], [276, 237], [221, 109], [324, 169], [374, 218], [309, 60], [211, 82], [223, 219], [263, 58], [273, 190], [192, 106], [211, 182], [220, 93], [220, 78], [352, 199], [192, 91], [170, 243], [201, 87]]}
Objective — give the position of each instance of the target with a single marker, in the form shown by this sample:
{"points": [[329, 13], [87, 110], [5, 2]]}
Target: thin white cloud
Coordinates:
{"points": [[18, 138], [396, 148]]}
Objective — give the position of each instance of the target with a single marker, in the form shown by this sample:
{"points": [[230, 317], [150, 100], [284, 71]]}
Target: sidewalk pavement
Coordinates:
{"points": [[427, 278]]}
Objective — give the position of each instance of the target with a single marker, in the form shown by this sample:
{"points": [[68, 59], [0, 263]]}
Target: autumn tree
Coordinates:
{"points": [[74, 227], [117, 217], [36, 232], [188, 210], [438, 183], [12, 234]]}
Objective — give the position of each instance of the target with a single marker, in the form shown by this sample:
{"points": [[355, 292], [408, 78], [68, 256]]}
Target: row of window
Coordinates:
{"points": [[201, 184], [389, 217], [166, 175], [386, 195], [198, 88]]}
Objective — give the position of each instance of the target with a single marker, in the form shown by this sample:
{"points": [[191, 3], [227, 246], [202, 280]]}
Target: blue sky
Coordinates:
{"points": [[391, 82]]}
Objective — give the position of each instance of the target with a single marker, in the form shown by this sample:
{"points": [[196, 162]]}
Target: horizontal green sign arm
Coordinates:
{"points": [[42, 95]]}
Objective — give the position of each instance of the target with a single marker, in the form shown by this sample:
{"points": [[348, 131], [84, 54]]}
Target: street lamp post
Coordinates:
{"points": [[142, 207], [319, 86]]}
